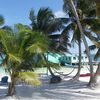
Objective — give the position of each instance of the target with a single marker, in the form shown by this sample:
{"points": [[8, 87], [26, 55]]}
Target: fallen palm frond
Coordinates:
{"points": [[30, 78]]}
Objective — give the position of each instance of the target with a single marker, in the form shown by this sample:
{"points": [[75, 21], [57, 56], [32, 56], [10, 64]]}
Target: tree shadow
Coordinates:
{"points": [[3, 91], [66, 90]]}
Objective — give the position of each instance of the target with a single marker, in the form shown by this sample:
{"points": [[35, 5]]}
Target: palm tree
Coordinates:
{"points": [[97, 55], [89, 21], [46, 22], [1, 23], [73, 8], [20, 46], [77, 39], [87, 18]]}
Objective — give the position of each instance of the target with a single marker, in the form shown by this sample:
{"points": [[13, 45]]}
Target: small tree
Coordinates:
{"points": [[20, 46]]}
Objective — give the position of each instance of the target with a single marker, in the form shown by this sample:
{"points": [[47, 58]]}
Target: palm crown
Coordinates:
{"points": [[46, 22]]}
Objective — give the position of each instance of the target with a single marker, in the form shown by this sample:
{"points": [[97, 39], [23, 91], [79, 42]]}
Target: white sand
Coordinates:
{"points": [[66, 90]]}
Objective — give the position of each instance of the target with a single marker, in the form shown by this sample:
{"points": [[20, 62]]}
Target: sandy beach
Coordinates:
{"points": [[66, 90]]}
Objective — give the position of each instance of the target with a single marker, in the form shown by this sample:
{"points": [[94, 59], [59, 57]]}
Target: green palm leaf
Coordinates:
{"points": [[97, 54], [36, 48], [14, 58], [30, 78], [1, 20]]}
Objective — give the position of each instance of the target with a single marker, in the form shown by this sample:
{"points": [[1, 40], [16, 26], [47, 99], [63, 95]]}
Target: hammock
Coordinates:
{"points": [[61, 73], [85, 75], [88, 74]]}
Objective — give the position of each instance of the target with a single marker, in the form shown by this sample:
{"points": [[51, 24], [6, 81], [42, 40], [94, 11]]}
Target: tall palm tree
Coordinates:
{"points": [[77, 39], [73, 8], [46, 22], [97, 56], [20, 45], [87, 18]]}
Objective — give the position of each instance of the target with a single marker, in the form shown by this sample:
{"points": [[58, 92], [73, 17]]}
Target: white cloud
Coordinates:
{"points": [[60, 14]]}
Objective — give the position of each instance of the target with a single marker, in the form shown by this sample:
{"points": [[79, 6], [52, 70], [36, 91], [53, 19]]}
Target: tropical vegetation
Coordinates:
{"points": [[46, 22], [89, 14], [20, 46], [26, 47]]}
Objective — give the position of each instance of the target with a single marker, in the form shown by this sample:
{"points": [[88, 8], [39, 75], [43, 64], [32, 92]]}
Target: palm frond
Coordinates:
{"points": [[8, 28], [53, 65], [20, 27], [43, 17], [97, 54], [1, 20], [67, 29], [14, 58], [31, 15], [36, 48], [76, 36], [92, 47], [97, 44], [3, 40], [89, 35], [93, 23], [30, 78]]}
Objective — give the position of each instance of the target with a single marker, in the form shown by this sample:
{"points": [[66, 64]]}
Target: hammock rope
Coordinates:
{"points": [[61, 73]]}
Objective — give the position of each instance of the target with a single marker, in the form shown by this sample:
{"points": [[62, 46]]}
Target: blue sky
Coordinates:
{"points": [[15, 11]]}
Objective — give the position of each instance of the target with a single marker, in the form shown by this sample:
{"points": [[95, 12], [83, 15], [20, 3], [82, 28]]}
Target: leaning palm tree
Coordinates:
{"points": [[77, 39], [97, 56], [73, 9], [46, 22], [87, 17], [20, 46]]}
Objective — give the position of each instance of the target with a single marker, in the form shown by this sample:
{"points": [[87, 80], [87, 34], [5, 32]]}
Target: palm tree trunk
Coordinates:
{"points": [[91, 82], [97, 73], [48, 67], [52, 74], [54, 78], [11, 87], [76, 77]]}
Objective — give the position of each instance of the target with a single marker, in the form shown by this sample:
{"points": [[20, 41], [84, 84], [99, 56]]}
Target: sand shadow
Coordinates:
{"points": [[66, 90]]}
